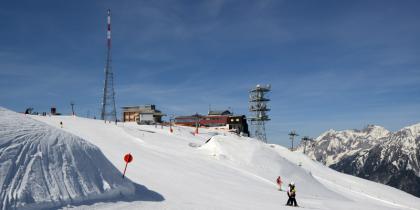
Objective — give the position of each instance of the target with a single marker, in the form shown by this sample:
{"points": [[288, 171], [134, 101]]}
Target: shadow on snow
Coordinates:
{"points": [[142, 193]]}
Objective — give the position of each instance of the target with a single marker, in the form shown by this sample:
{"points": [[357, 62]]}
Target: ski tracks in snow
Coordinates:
{"points": [[363, 194]]}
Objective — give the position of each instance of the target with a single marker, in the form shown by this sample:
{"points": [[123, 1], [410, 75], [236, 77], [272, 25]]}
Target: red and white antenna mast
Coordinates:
{"points": [[108, 101], [108, 33]]}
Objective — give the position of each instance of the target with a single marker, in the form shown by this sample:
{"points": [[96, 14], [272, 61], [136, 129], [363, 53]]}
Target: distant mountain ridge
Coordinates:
{"points": [[332, 146], [373, 153]]}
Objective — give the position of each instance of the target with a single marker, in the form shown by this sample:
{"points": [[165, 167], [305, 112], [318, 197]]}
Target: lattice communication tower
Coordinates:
{"points": [[108, 111], [258, 107]]}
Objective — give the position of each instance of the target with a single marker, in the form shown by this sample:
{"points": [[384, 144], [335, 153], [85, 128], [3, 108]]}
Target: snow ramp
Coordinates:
{"points": [[45, 167]]}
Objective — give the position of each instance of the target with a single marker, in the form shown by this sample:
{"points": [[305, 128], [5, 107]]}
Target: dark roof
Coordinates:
{"points": [[144, 109], [219, 112], [141, 107], [190, 116]]}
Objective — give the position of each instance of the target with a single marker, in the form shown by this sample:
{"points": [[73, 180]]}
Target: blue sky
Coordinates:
{"points": [[331, 64]]}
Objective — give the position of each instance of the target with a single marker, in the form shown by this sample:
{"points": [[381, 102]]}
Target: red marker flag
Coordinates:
{"points": [[127, 158]]}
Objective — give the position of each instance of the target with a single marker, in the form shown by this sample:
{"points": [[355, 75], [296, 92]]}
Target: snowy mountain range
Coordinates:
{"points": [[373, 153]]}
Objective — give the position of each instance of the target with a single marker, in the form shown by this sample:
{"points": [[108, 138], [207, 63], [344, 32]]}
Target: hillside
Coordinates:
{"points": [[45, 167], [228, 172]]}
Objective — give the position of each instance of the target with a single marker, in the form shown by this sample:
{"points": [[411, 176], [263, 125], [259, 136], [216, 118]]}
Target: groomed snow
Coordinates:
{"points": [[45, 167], [229, 172]]}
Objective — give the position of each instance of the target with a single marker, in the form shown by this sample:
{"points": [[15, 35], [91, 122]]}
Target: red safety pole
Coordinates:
{"points": [[196, 126], [125, 169], [170, 126], [127, 158]]}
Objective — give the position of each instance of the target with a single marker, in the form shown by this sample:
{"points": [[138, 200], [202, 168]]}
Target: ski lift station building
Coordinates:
{"points": [[144, 114], [222, 119]]}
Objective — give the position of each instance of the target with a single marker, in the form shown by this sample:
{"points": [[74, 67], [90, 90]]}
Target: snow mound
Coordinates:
{"points": [[265, 163], [45, 167]]}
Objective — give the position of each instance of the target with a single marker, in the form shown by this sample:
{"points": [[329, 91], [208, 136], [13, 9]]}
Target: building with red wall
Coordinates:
{"points": [[223, 119]]}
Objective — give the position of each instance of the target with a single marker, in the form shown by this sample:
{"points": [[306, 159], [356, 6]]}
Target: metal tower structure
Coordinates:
{"points": [[72, 108], [305, 141], [108, 111], [258, 107], [292, 135]]}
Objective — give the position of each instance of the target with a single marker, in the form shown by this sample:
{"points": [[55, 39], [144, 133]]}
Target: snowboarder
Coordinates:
{"points": [[291, 192], [279, 182], [61, 124]]}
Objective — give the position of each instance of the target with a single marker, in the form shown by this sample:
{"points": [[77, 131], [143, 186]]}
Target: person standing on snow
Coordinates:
{"points": [[61, 124], [291, 192], [279, 182]]}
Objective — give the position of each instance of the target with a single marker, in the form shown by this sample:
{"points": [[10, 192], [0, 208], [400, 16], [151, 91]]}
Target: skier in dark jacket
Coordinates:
{"points": [[291, 192]]}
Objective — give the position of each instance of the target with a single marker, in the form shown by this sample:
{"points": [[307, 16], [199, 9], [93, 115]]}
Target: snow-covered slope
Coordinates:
{"points": [[43, 167], [264, 162], [228, 172], [333, 146]]}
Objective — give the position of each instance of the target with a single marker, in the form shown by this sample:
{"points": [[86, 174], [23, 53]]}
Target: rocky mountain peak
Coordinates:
{"points": [[373, 153], [413, 129], [376, 131]]}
